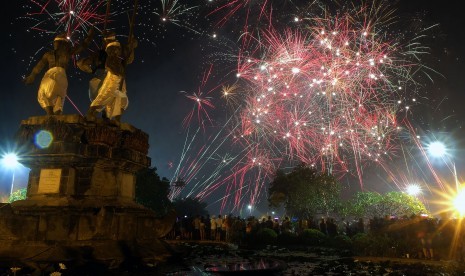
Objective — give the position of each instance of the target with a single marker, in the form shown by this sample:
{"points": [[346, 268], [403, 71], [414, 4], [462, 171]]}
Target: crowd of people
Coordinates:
{"points": [[225, 228], [414, 237], [230, 228], [422, 236]]}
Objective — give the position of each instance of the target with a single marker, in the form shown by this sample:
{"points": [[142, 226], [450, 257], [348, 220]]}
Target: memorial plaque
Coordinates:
{"points": [[49, 181], [127, 185]]}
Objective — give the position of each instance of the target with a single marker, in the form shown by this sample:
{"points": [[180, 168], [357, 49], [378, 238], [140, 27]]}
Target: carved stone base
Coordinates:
{"points": [[80, 195], [67, 234], [72, 158]]}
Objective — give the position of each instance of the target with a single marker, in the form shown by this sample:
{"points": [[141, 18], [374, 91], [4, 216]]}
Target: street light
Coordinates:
{"points": [[438, 149], [413, 189], [250, 208], [459, 203], [10, 161]]}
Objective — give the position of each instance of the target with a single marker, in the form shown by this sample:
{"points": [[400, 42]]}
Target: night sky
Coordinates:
{"points": [[172, 60]]}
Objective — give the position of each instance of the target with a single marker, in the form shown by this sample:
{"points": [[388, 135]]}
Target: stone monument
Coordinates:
{"points": [[80, 195]]}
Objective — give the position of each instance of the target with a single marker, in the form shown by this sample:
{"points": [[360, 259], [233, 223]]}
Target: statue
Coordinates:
{"points": [[111, 94], [53, 87], [95, 64]]}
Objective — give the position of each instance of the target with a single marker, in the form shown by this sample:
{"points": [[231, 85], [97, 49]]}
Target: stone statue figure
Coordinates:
{"points": [[54, 84], [111, 94], [95, 64]]}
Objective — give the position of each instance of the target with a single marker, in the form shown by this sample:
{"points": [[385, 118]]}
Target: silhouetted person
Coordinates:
{"points": [[322, 226]]}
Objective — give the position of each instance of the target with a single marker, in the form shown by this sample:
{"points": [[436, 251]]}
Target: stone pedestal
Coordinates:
{"points": [[80, 195]]}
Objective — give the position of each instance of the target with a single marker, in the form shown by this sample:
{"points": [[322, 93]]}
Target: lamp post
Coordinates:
{"points": [[438, 149], [250, 209], [10, 161]]}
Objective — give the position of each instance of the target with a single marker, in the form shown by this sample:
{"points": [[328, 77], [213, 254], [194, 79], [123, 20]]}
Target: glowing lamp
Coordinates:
{"points": [[459, 203], [10, 160], [437, 149], [413, 189]]}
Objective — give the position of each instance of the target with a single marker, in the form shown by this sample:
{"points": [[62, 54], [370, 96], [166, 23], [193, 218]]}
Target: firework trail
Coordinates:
{"points": [[69, 16], [163, 17], [190, 168], [178, 14], [234, 7], [201, 102]]}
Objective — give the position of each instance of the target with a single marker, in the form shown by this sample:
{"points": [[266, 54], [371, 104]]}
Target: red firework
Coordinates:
{"points": [[68, 16]]}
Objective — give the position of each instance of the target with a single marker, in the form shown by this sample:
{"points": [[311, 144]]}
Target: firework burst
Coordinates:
{"points": [[201, 102], [334, 90], [329, 94]]}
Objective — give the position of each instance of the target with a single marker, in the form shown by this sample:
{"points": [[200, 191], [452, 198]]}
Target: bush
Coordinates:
{"points": [[372, 245], [360, 243], [287, 238], [18, 195], [341, 241], [266, 236], [382, 246], [312, 237]]}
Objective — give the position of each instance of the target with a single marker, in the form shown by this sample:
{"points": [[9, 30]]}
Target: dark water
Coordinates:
{"points": [[222, 259], [218, 260]]}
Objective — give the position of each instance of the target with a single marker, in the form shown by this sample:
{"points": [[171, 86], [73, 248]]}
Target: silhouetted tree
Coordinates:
{"points": [[152, 192], [304, 192]]}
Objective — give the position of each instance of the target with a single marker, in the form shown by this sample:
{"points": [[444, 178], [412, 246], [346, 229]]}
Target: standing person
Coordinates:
{"points": [[213, 228], [196, 223], [189, 227], [322, 226], [431, 228], [425, 233], [219, 224], [269, 223], [226, 228], [331, 228], [202, 228], [360, 226], [249, 227], [286, 225], [54, 84], [112, 94], [183, 228], [276, 226], [207, 222]]}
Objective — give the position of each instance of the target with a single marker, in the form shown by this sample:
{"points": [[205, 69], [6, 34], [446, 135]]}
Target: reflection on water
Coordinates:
{"points": [[261, 266], [257, 266]]}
